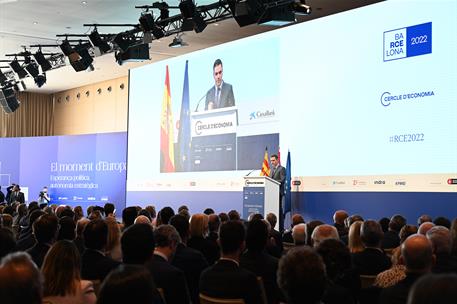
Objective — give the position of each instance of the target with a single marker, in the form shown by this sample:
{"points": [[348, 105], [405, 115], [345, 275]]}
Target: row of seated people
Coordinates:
{"points": [[181, 253]]}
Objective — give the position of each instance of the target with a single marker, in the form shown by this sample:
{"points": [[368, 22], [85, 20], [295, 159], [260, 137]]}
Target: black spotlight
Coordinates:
{"points": [[32, 69], [148, 25], [42, 61], [192, 19], [139, 52], [3, 78], [124, 40], [270, 12], [301, 8], [40, 80], [8, 100], [19, 86], [66, 48], [18, 69], [81, 60], [97, 41]]}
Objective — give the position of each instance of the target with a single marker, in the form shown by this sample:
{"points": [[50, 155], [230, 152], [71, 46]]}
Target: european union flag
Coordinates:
{"points": [[288, 186], [184, 140]]}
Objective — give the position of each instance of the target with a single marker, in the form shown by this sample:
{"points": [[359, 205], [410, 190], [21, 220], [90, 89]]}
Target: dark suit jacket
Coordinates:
{"points": [[371, 261], [192, 263], [265, 266], [398, 294], [275, 250], [279, 175], [226, 98], [209, 250], [38, 252], [2, 196], [17, 196], [96, 266], [171, 279], [227, 280]]}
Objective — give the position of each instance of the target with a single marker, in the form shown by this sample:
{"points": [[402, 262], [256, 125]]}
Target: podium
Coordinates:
{"points": [[260, 195], [213, 134]]}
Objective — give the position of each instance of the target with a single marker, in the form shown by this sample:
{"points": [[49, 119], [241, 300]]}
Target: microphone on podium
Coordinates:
{"points": [[249, 173], [198, 103]]}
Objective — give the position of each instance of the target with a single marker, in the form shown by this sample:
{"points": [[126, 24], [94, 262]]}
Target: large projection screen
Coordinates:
{"points": [[364, 100]]}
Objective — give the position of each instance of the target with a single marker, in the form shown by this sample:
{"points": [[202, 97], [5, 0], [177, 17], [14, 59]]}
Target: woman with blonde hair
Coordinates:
{"points": [[113, 245], [354, 241], [62, 280], [198, 241]]}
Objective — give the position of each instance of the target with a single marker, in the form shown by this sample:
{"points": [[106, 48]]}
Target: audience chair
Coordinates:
{"points": [[210, 300], [367, 281], [262, 290]]}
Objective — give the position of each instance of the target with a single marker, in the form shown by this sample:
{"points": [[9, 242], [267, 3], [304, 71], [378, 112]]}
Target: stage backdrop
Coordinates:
{"points": [[78, 170]]}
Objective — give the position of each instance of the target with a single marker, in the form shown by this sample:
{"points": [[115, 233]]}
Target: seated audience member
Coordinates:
{"points": [[301, 276], [21, 281], [424, 227], [442, 221], [391, 238], [372, 259], [324, 232], [109, 210], [338, 221], [7, 241], [171, 279], [299, 234], [207, 211], [164, 216], [185, 213], [145, 213], [397, 272], [197, 240], [152, 212], [434, 289], [214, 223], [223, 217], [142, 219], [343, 281], [310, 226], [287, 236], [137, 244], [234, 215], [440, 237], [418, 258], [62, 278], [26, 239], [189, 260], [384, 222], [256, 260], [67, 230], [113, 245], [95, 215], [7, 220], [79, 240], [45, 232], [129, 284], [79, 214], [20, 218], [275, 248], [226, 279], [424, 218], [129, 215], [354, 240], [95, 264]]}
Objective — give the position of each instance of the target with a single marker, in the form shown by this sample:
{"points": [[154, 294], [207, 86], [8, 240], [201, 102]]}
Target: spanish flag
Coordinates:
{"points": [[265, 165], [167, 155]]}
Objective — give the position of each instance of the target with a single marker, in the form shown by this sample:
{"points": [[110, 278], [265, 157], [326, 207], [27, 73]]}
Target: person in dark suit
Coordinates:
{"points": [[262, 264], [372, 259], [221, 94], [45, 231], [95, 265], [16, 195], [417, 255], [26, 239], [189, 260], [391, 238], [226, 279], [166, 276], [2, 195], [274, 247], [278, 173]]}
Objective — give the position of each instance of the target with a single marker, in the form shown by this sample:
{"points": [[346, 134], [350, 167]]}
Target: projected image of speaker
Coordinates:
{"points": [[8, 100]]}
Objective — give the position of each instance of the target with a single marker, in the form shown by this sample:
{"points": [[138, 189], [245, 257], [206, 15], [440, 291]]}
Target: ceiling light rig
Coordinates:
{"points": [[154, 23]]}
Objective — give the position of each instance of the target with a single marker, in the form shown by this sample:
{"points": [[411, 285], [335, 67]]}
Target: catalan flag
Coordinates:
{"points": [[167, 157], [265, 165]]}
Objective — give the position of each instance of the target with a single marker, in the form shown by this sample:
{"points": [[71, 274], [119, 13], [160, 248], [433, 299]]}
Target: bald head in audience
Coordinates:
{"points": [[298, 234], [417, 254], [424, 227], [142, 219], [440, 237], [339, 216], [324, 232]]}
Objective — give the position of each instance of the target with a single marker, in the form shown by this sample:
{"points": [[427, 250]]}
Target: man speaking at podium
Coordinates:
{"points": [[221, 94], [278, 173]]}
